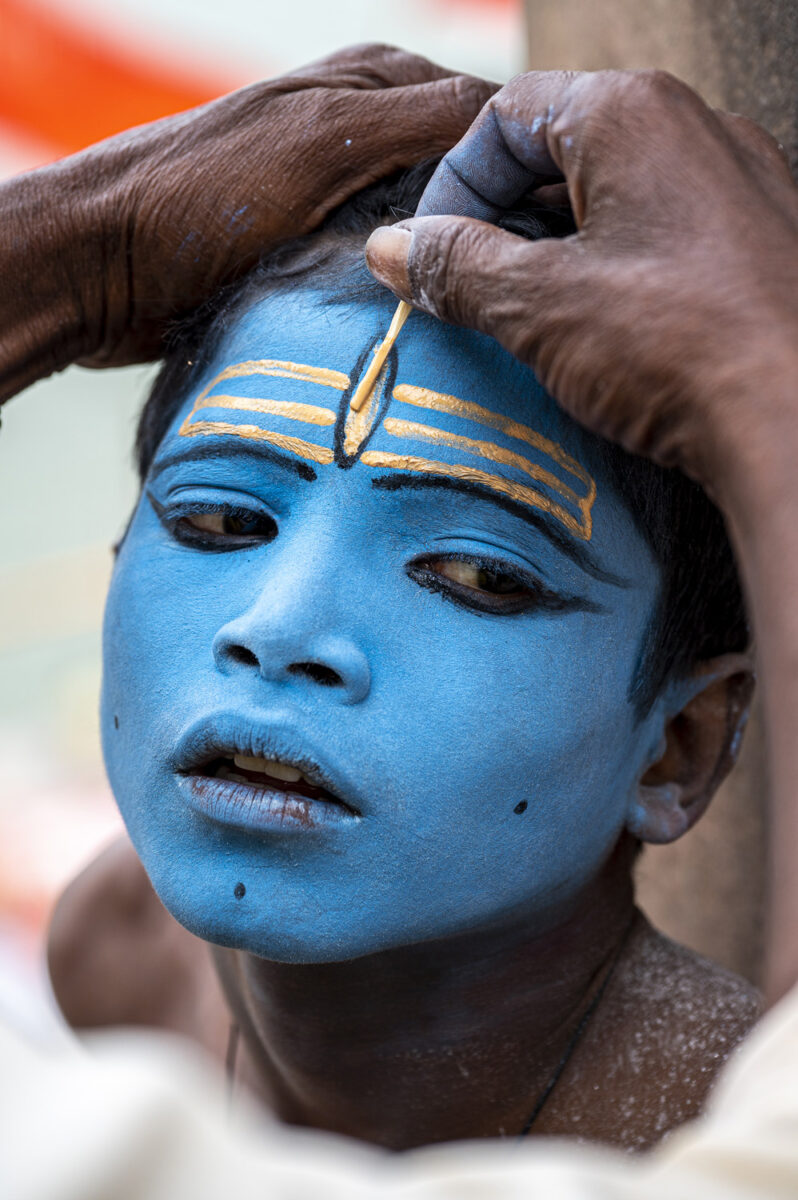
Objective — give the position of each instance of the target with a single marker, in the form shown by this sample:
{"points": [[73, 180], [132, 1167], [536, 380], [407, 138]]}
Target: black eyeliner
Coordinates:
{"points": [[169, 519], [538, 597]]}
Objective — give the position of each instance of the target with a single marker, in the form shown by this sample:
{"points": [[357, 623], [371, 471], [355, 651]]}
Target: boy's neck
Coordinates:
{"points": [[446, 1040]]}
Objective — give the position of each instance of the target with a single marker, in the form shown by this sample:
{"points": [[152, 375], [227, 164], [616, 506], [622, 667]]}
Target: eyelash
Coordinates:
{"points": [[531, 595], [196, 539]]}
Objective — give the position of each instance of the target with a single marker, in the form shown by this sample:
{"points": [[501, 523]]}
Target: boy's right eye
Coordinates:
{"points": [[219, 527], [226, 524]]}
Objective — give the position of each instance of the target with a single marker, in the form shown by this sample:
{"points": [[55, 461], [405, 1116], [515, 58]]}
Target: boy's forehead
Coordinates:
{"points": [[450, 405], [300, 326]]}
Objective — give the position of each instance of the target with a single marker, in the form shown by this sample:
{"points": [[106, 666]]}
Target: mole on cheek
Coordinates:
{"points": [[520, 807], [239, 891]]}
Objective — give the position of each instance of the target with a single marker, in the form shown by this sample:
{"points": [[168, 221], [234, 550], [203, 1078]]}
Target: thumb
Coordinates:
{"points": [[554, 306], [472, 273]]}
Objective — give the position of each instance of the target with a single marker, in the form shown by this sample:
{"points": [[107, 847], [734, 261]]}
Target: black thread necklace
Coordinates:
{"points": [[234, 1038], [578, 1033]]}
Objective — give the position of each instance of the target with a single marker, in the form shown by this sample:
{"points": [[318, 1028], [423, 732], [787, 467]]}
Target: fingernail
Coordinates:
{"points": [[386, 254]]}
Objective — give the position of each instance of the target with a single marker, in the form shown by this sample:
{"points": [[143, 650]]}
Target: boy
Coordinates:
{"points": [[391, 699]]}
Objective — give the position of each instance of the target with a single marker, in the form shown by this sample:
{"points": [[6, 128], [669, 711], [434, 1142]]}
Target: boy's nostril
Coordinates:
{"points": [[241, 655], [318, 673]]}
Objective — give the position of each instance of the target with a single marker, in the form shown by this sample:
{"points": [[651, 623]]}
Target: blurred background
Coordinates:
{"points": [[72, 72]]}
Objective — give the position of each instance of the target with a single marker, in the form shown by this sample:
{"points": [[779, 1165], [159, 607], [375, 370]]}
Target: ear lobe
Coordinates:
{"points": [[701, 743]]}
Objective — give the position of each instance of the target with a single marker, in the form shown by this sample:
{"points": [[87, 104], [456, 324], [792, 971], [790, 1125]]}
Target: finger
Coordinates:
{"points": [[373, 134], [553, 307], [460, 270], [553, 195], [762, 148], [485, 173], [372, 64], [595, 130]]}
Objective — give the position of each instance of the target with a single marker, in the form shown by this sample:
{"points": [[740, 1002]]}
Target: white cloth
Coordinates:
{"points": [[138, 1118]]}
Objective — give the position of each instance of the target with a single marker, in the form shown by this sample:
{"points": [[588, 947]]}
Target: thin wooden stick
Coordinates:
{"points": [[364, 388]]}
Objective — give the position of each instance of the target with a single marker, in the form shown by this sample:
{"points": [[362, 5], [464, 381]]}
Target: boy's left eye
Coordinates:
{"points": [[479, 578], [488, 586]]}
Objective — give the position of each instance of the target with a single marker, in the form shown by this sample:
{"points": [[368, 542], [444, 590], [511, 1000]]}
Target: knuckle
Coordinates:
{"points": [[434, 267], [641, 90], [755, 135], [473, 274], [472, 94]]}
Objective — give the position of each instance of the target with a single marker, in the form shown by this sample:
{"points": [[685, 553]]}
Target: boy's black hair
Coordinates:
{"points": [[700, 611]]}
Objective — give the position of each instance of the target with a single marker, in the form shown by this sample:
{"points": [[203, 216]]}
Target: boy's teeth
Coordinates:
{"points": [[268, 766]]}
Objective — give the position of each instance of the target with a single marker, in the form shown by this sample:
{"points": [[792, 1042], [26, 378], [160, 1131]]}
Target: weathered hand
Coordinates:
{"points": [[655, 324], [102, 250]]}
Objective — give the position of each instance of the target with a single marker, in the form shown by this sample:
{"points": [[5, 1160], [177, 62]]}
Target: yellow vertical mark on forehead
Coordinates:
{"points": [[360, 421], [309, 414]]}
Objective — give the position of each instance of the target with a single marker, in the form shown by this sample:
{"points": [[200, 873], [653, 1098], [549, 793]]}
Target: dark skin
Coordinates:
{"points": [[571, 315], [430, 1043], [104, 249]]}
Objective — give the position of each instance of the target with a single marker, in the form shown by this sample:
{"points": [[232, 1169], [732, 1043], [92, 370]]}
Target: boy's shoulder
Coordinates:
{"points": [[117, 957], [670, 1020]]}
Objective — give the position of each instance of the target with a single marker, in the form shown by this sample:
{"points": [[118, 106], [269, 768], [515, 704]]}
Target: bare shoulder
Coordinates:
{"points": [[694, 1004], [117, 957], [669, 1022]]}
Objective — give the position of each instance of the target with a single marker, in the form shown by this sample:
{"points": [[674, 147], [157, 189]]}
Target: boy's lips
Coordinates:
{"points": [[258, 808], [255, 777], [268, 774]]}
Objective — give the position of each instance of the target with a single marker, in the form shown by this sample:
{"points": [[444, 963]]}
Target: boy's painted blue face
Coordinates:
{"points": [[433, 609]]}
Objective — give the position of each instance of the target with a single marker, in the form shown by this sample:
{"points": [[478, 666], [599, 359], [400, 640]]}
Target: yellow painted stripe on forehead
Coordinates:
{"points": [[253, 433], [311, 414], [440, 402], [516, 491], [496, 453], [280, 369]]}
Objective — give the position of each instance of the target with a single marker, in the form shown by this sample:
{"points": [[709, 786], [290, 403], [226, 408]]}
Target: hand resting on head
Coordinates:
{"points": [[101, 251]]}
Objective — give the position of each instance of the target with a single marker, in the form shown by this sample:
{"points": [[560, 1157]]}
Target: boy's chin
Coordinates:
{"points": [[267, 936]]}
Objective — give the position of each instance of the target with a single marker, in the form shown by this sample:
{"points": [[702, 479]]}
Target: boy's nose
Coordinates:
{"points": [[300, 657]]}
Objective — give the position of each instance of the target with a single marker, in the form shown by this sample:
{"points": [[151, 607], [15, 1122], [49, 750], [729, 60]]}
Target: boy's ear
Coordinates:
{"points": [[700, 743]]}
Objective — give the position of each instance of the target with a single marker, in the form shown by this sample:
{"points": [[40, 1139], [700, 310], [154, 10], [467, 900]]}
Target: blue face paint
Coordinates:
{"points": [[445, 649]]}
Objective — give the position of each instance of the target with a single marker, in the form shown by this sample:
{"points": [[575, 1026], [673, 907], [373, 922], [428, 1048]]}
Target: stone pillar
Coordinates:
{"points": [[742, 55]]}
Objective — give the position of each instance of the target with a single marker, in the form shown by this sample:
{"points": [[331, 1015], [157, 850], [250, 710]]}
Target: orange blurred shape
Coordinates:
{"points": [[68, 88]]}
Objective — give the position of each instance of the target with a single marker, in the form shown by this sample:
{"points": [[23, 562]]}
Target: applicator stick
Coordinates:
{"points": [[364, 388]]}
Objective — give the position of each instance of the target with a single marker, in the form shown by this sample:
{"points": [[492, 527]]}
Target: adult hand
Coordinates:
{"points": [[675, 301], [667, 322], [102, 250]]}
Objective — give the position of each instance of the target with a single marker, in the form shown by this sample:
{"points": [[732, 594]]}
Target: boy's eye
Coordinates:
{"points": [[479, 578], [491, 586], [225, 524], [485, 585], [219, 527]]}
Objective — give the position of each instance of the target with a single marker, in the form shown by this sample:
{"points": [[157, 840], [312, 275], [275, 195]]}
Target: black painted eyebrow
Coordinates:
{"points": [[238, 450], [539, 521]]}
